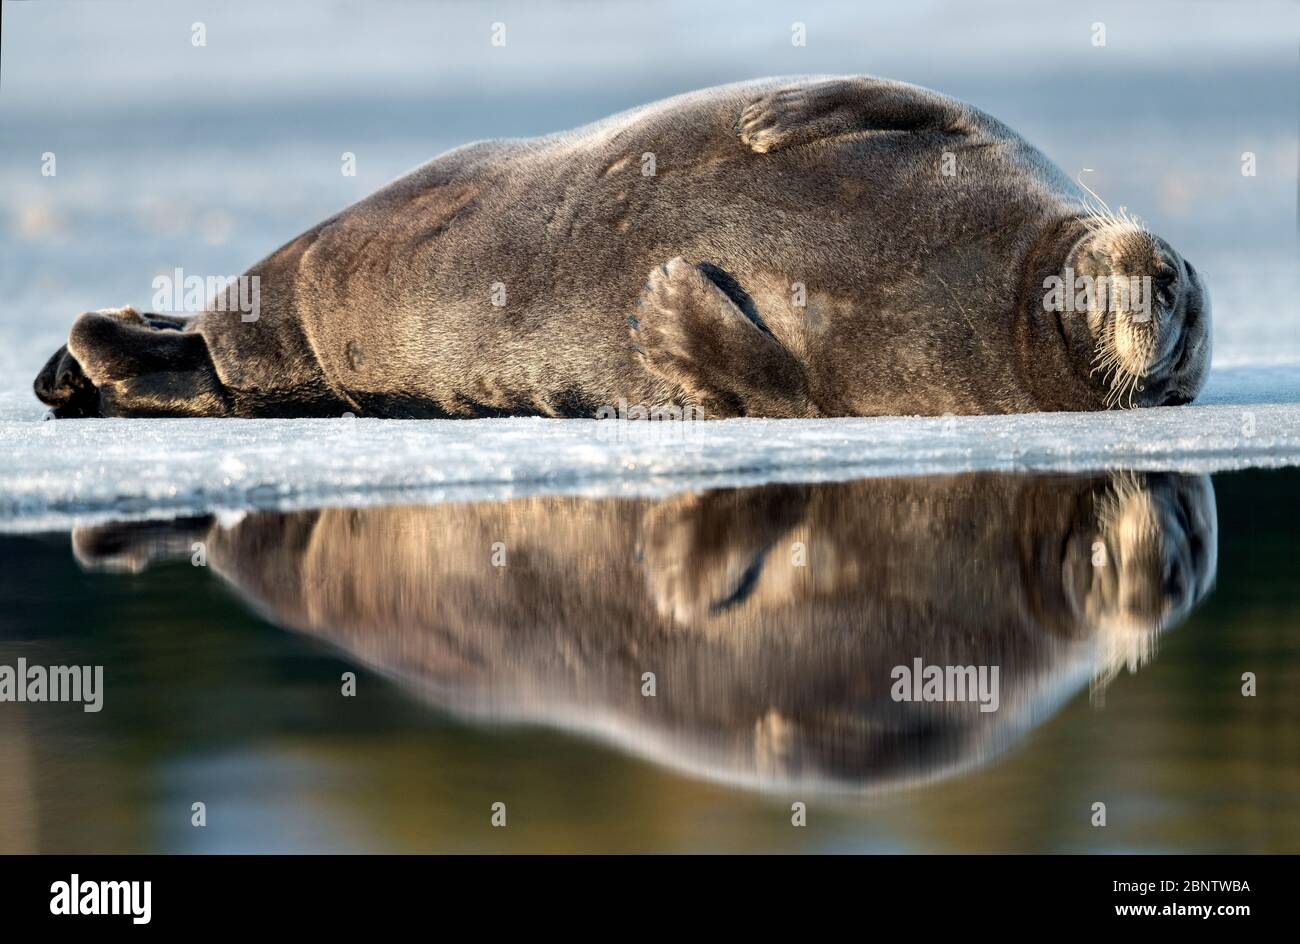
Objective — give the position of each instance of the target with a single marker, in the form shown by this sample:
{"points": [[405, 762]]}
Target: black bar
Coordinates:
{"points": [[302, 893]]}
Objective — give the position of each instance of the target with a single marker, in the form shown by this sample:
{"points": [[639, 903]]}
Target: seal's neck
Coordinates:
{"points": [[1055, 349]]}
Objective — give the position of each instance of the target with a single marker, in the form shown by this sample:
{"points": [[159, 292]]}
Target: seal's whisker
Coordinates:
{"points": [[1100, 216]]}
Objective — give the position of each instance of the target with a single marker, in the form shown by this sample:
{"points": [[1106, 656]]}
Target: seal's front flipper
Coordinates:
{"points": [[800, 114], [143, 367], [693, 335]]}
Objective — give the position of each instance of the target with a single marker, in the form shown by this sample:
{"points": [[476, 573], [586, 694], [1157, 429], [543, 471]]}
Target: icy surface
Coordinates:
{"points": [[252, 159], [60, 473]]}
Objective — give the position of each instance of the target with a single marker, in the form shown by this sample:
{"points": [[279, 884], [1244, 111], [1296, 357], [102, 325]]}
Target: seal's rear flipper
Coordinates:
{"points": [[62, 386], [691, 333], [800, 114], [121, 363], [130, 547]]}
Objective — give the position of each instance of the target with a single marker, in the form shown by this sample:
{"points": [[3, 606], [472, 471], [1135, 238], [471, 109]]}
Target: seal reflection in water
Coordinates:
{"points": [[774, 619], [845, 246]]}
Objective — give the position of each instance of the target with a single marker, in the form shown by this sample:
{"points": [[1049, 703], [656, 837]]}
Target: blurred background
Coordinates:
{"points": [[209, 157]]}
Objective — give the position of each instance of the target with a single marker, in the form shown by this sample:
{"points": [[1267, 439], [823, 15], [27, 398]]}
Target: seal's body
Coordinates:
{"points": [[821, 247]]}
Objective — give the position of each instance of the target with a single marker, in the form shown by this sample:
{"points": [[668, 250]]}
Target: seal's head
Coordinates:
{"points": [[1145, 311]]}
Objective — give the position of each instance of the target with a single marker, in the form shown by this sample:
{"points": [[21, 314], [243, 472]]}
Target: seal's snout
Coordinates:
{"points": [[64, 386], [1148, 314]]}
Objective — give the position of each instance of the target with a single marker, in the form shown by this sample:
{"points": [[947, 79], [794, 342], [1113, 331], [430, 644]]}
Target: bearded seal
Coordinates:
{"points": [[772, 617], [842, 246]]}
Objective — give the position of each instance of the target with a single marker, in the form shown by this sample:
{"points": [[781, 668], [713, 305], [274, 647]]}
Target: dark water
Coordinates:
{"points": [[501, 651]]}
